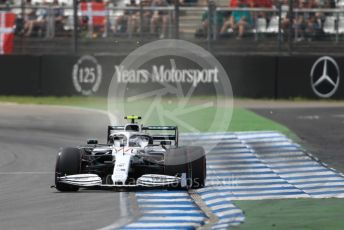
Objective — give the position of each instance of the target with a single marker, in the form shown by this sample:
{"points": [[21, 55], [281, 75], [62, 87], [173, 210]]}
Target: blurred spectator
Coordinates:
{"points": [[299, 27], [285, 9], [329, 3], [159, 17], [313, 29], [306, 24], [29, 14], [147, 15], [57, 11], [299, 24], [57, 18], [236, 3], [188, 2], [239, 21], [220, 18], [36, 20], [4, 5], [123, 20], [251, 3], [285, 16], [261, 3], [133, 18]]}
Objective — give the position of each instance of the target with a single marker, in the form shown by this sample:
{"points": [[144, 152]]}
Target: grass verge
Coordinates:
{"points": [[242, 119], [303, 214]]}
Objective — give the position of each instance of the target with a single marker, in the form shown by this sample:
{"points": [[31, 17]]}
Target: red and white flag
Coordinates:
{"points": [[95, 11], [7, 22]]}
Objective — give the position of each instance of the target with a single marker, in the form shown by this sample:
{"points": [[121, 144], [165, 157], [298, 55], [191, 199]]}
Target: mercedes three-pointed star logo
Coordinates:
{"points": [[325, 76]]}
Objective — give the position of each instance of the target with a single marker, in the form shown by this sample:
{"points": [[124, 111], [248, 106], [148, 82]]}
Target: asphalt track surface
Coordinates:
{"points": [[30, 137], [321, 129]]}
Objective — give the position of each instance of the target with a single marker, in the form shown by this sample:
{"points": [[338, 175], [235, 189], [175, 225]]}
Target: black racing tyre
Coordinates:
{"points": [[196, 166], [190, 160], [68, 162], [175, 161]]}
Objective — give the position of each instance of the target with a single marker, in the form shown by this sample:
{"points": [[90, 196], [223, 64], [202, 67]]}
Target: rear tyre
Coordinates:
{"points": [[190, 160], [68, 163]]}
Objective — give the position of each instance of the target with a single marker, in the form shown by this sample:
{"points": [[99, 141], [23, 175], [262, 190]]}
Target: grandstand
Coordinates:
{"points": [[222, 26]]}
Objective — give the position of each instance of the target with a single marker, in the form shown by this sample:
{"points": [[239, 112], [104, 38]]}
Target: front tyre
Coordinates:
{"points": [[196, 166], [68, 162]]}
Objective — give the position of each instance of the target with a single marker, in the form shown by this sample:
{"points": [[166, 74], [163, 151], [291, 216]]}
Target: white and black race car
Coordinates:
{"points": [[134, 156]]}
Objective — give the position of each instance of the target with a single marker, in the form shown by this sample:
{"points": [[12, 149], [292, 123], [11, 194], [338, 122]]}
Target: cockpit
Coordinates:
{"points": [[135, 140], [140, 141]]}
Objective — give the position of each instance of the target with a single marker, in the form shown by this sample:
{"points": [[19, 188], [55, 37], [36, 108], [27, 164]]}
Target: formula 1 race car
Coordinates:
{"points": [[134, 156]]}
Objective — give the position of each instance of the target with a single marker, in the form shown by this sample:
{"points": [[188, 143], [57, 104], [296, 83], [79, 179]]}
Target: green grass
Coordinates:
{"points": [[283, 214], [303, 214], [88, 102], [246, 120], [242, 119]]}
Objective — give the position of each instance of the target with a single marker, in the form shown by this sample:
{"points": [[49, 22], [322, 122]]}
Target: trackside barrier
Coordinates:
{"points": [[250, 76]]}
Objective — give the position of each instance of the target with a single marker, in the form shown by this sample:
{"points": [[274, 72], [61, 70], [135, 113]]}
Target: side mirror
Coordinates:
{"points": [[165, 142], [92, 142]]}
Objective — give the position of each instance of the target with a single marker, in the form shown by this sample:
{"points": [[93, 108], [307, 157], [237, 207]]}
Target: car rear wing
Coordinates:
{"points": [[156, 137]]}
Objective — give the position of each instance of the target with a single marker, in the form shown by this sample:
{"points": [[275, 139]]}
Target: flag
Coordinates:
{"points": [[7, 23], [95, 11]]}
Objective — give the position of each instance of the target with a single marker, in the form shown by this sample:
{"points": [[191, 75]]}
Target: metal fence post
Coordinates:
{"points": [[89, 13], [141, 20], [214, 21], [129, 27], [176, 15], [290, 27], [210, 21], [75, 32], [337, 26], [169, 31], [50, 25], [255, 27], [22, 6], [279, 40], [53, 24], [107, 24], [296, 33]]}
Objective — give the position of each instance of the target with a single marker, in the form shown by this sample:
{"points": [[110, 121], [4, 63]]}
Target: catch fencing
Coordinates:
{"points": [[98, 27]]}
